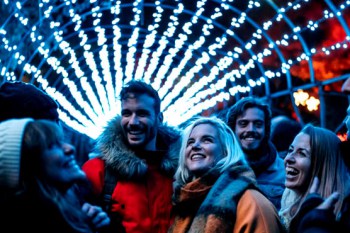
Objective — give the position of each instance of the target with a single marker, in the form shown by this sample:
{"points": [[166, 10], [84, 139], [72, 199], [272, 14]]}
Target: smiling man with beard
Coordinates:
{"points": [[250, 120], [134, 150]]}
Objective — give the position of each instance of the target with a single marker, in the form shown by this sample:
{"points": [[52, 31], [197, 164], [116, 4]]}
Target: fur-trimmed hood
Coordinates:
{"points": [[113, 150]]}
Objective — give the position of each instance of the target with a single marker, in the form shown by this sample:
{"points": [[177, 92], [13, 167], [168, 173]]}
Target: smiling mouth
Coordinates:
{"points": [[197, 157], [250, 139], [135, 132], [291, 171]]}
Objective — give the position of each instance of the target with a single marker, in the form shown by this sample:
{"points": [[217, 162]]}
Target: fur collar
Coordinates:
{"points": [[209, 203], [125, 162]]}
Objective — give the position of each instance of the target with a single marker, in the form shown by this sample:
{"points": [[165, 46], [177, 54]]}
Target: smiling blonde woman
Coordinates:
{"points": [[215, 189]]}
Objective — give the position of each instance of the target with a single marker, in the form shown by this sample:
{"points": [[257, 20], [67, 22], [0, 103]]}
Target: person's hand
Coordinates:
{"points": [[98, 217], [329, 202]]}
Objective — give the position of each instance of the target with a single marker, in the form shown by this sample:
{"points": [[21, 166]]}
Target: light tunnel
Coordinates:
{"points": [[201, 56]]}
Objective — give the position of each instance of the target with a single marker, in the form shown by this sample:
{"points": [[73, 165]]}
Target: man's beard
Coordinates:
{"points": [[256, 154], [142, 146]]}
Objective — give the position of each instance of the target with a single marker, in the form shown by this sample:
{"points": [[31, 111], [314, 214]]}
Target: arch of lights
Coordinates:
{"points": [[196, 54]]}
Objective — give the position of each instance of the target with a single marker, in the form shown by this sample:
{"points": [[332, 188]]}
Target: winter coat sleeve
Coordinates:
{"points": [[318, 221], [94, 170], [312, 220], [255, 213]]}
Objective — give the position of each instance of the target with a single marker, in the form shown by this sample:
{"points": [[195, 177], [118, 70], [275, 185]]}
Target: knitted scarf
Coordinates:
{"points": [[208, 204], [260, 159]]}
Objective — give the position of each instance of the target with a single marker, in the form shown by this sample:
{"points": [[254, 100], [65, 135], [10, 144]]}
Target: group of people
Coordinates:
{"points": [[210, 175]]}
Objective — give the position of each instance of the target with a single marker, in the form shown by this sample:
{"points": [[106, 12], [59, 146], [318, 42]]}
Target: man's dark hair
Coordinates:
{"points": [[138, 87], [283, 132], [243, 104]]}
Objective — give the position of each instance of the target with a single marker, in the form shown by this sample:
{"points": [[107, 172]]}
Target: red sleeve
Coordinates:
{"points": [[94, 170]]}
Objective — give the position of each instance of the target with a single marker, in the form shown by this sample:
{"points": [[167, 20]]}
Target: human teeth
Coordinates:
{"points": [[196, 156], [135, 132], [291, 170]]}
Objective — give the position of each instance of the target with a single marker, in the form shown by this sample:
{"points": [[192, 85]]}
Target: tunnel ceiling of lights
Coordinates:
{"points": [[201, 56]]}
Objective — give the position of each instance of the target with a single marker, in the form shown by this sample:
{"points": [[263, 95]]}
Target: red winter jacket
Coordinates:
{"points": [[142, 196]]}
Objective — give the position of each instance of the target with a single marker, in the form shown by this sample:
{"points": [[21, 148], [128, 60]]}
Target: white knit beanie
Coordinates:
{"points": [[11, 134]]}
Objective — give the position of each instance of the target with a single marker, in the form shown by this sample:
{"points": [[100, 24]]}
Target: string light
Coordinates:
{"points": [[195, 55]]}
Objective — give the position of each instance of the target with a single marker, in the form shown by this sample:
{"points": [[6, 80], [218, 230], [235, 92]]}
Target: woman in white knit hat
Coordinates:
{"points": [[39, 180]]}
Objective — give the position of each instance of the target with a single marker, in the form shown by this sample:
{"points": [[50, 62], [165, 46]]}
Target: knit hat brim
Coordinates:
{"points": [[11, 135]]}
